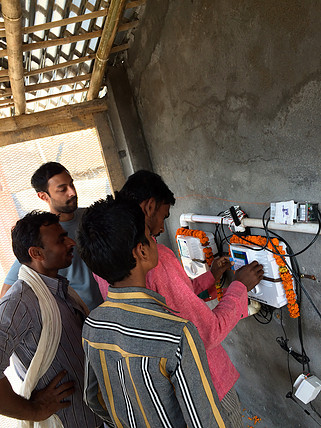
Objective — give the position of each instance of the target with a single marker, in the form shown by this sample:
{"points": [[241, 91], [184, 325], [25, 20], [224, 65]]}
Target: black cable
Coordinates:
{"points": [[263, 313], [290, 395], [315, 410], [296, 274], [305, 359], [288, 355], [305, 248], [267, 237]]}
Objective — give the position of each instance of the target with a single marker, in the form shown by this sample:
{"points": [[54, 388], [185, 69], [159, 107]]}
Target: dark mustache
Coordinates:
{"points": [[74, 198]]}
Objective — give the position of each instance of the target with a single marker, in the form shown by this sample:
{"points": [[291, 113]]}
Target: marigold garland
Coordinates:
{"points": [[203, 239], [209, 257], [285, 275], [219, 290]]}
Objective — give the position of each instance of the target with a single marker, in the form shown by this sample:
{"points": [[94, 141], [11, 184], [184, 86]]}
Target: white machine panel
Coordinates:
{"points": [[192, 254], [270, 290]]}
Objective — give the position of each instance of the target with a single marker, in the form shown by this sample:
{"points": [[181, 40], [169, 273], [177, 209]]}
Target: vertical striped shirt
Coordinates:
{"points": [[146, 367], [20, 329]]}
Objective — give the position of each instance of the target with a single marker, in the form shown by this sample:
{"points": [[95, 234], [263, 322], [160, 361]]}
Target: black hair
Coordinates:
{"points": [[26, 233], [108, 232], [39, 180], [143, 185]]}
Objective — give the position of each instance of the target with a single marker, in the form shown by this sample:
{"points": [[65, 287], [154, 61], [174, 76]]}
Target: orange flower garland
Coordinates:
{"points": [[285, 275], [219, 290], [203, 239], [209, 257]]}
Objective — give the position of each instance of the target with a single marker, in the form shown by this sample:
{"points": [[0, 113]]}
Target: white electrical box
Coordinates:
{"points": [[308, 387], [270, 290], [192, 254]]}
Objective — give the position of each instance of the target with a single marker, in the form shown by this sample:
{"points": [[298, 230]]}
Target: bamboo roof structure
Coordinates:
{"points": [[55, 52]]}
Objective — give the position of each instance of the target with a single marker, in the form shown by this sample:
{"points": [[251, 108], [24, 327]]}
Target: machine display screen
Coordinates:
{"points": [[240, 255], [239, 258]]}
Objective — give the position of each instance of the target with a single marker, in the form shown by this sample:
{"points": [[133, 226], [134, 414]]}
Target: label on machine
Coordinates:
{"points": [[192, 254]]}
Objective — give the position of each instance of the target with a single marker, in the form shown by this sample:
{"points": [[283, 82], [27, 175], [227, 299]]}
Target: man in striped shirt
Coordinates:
{"points": [[42, 246], [145, 367], [181, 293]]}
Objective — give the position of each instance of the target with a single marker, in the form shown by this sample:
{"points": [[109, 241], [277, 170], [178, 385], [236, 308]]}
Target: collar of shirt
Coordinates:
{"points": [[57, 285], [136, 293]]}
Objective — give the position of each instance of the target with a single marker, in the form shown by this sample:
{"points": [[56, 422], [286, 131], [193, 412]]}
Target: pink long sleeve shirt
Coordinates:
{"points": [[169, 279]]}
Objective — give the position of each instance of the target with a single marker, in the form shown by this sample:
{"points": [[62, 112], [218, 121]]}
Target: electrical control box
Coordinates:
{"points": [[308, 387], [192, 254], [270, 290], [289, 212]]}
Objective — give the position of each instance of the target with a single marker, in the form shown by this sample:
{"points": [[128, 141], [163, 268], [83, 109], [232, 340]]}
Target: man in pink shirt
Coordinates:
{"points": [[169, 279]]}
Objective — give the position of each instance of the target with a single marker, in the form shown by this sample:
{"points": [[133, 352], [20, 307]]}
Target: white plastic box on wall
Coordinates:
{"points": [[270, 290], [192, 254]]}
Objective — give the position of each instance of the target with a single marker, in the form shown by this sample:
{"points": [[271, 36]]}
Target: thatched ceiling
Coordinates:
{"points": [[54, 52]]}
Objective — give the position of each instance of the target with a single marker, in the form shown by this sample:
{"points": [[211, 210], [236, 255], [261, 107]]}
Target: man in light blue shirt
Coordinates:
{"points": [[55, 186]]}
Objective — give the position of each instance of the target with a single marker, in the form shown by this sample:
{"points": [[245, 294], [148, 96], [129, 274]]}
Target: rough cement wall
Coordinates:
{"points": [[229, 96]]}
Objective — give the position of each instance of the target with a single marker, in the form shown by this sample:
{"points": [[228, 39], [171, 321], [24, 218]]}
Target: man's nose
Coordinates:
{"points": [[71, 191], [70, 242]]}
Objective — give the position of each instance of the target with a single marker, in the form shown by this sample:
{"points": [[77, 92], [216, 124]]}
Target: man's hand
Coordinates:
{"points": [[250, 275], [50, 399], [219, 266]]}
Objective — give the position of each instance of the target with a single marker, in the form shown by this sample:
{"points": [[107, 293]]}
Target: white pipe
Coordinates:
{"points": [[198, 218], [311, 228]]}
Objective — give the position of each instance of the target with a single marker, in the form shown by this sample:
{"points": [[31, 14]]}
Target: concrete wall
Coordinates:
{"points": [[229, 97]]}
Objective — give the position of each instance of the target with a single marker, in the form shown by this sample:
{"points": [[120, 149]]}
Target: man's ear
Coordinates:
{"points": [[43, 196], [139, 252], [36, 253], [149, 207]]}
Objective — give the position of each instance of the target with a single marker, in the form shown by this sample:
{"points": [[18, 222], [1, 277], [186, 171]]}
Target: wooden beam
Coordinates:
{"points": [[55, 42], [137, 3], [109, 32], [4, 73], [119, 48], [7, 102], [51, 67], [61, 94], [60, 23], [128, 26], [66, 64], [52, 84], [12, 14], [47, 97], [61, 65], [59, 114], [46, 130], [64, 22], [111, 157]]}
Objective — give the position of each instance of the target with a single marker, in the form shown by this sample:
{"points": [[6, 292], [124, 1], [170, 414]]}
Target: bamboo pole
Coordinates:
{"points": [[11, 11], [52, 84], [55, 42], [128, 26], [61, 22], [47, 97], [65, 64], [59, 114], [4, 73], [137, 3], [109, 31]]}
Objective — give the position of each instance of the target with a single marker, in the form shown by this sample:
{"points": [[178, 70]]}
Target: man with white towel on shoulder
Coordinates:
{"points": [[41, 319]]}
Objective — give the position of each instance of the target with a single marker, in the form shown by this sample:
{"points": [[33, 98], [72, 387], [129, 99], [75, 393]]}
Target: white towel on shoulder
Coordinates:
{"points": [[48, 342]]}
